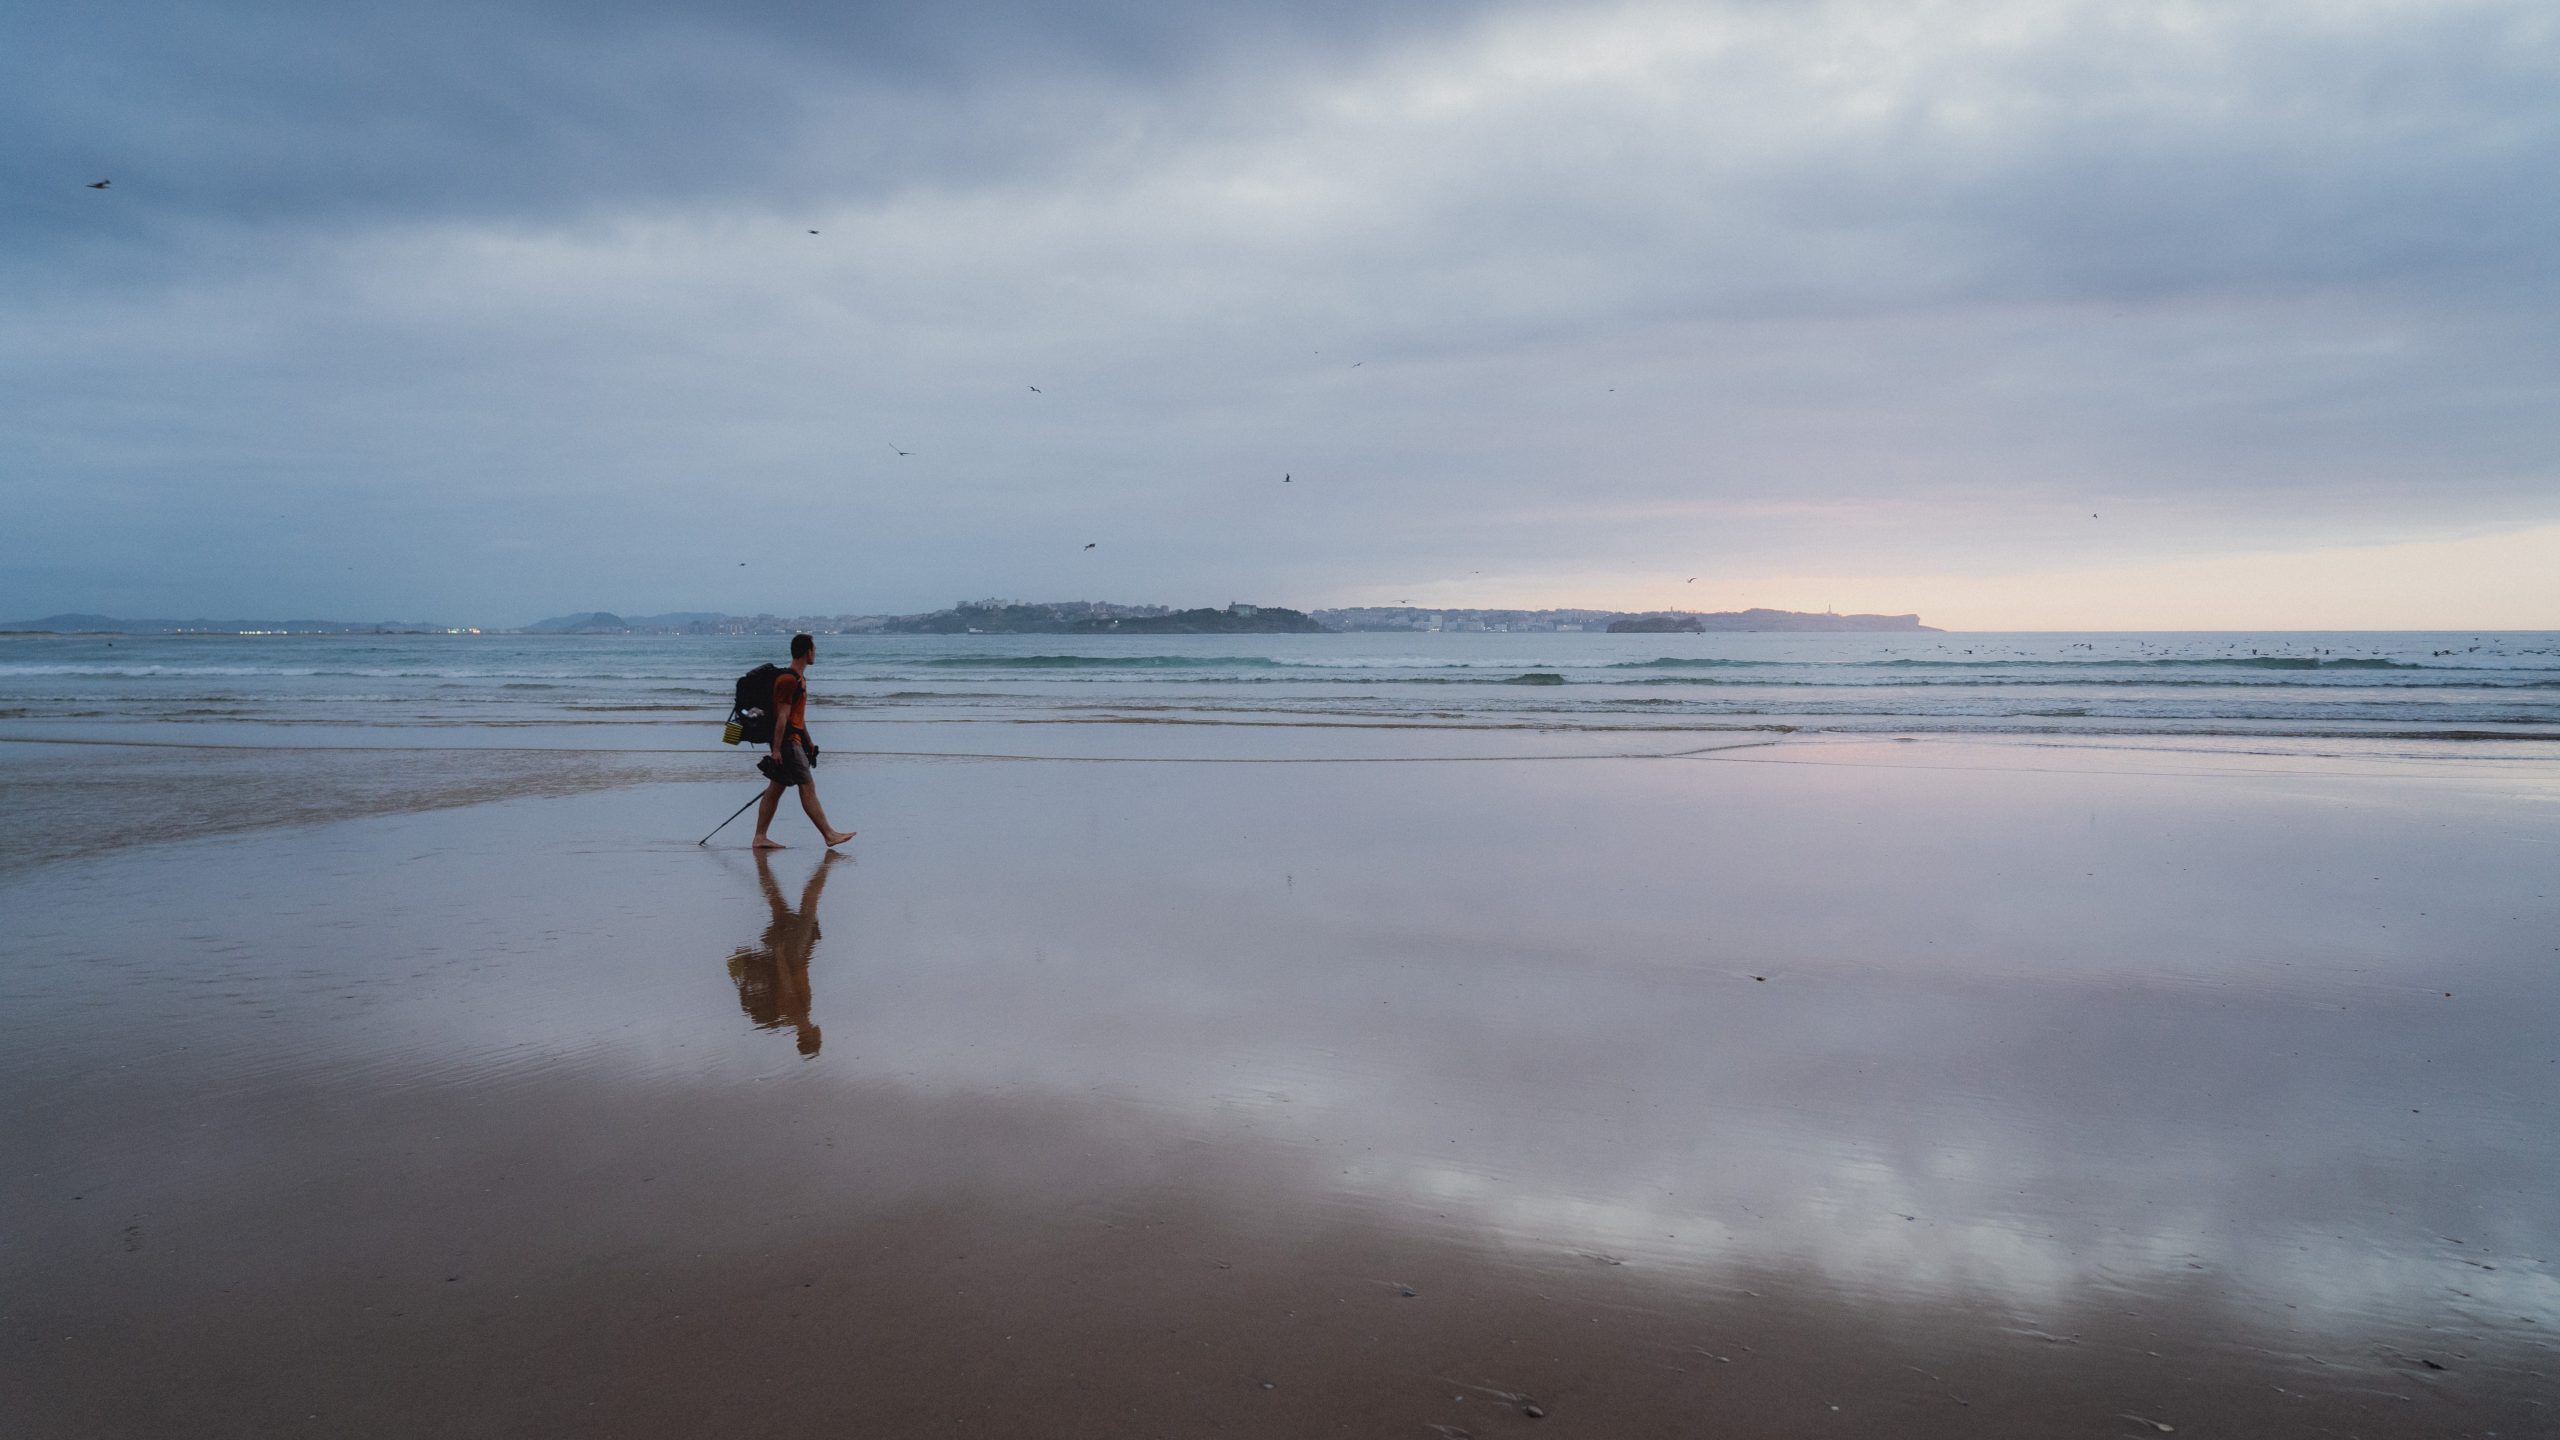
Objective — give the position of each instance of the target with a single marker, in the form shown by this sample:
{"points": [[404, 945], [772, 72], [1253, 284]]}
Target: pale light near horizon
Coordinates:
{"points": [[2486, 582]]}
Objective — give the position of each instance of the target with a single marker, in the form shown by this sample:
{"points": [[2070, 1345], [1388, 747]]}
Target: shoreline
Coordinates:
{"points": [[157, 791]]}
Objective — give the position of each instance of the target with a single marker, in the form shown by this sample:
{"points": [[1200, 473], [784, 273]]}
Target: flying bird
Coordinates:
{"points": [[100, 184], [813, 232], [1356, 364], [894, 446], [1036, 390], [1692, 580], [1090, 544], [1284, 478]]}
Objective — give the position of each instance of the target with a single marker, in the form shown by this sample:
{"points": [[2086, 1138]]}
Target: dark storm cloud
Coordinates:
{"points": [[2071, 166], [285, 114]]}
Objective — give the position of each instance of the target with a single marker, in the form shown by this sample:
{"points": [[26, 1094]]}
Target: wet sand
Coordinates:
{"points": [[1816, 1089]]}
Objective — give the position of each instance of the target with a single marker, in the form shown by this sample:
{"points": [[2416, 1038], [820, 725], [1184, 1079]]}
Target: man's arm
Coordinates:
{"points": [[790, 715]]}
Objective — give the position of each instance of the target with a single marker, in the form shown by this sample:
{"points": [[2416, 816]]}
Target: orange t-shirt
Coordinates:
{"points": [[790, 706]]}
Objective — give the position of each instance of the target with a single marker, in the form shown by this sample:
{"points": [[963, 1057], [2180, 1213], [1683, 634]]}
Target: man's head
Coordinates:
{"points": [[803, 649]]}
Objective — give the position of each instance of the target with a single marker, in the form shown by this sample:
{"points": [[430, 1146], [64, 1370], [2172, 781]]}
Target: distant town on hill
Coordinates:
{"points": [[1097, 617], [1407, 617], [1046, 617], [1077, 617]]}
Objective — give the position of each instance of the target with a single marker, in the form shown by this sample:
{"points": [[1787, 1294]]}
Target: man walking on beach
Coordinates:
{"points": [[788, 766]]}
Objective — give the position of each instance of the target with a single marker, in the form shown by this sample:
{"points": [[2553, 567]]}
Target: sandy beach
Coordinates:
{"points": [[1819, 1088], [1714, 720]]}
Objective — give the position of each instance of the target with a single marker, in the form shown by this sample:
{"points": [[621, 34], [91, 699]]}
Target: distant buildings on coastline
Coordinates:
{"points": [[1097, 617], [1728, 621], [1407, 617], [1046, 617], [1080, 617]]}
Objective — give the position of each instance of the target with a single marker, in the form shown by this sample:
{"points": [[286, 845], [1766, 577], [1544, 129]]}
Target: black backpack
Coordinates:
{"points": [[752, 713]]}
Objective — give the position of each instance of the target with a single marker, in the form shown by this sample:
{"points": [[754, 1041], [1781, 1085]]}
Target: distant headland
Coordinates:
{"points": [[1097, 617], [1731, 620], [1045, 617], [1614, 622], [1014, 617]]}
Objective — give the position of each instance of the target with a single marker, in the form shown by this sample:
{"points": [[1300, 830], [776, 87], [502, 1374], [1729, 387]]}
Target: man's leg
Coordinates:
{"points": [[818, 815], [765, 807]]}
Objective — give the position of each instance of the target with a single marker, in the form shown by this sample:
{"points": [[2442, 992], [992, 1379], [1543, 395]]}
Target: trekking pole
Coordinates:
{"points": [[723, 825]]}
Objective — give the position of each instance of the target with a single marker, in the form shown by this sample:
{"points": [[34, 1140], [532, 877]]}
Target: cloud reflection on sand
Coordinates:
{"points": [[2102, 1038]]}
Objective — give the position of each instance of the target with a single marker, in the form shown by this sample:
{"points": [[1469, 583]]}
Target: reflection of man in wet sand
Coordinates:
{"points": [[773, 978]]}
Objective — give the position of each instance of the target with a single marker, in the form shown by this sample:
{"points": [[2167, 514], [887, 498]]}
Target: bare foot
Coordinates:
{"points": [[837, 837], [764, 844]]}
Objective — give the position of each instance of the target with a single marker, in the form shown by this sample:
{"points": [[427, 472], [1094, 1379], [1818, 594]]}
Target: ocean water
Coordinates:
{"points": [[670, 693]]}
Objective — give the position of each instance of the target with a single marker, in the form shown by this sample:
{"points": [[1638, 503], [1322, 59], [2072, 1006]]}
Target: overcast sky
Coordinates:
{"points": [[2015, 314]]}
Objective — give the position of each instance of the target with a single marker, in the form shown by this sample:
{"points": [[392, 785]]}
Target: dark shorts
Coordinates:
{"points": [[792, 769]]}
